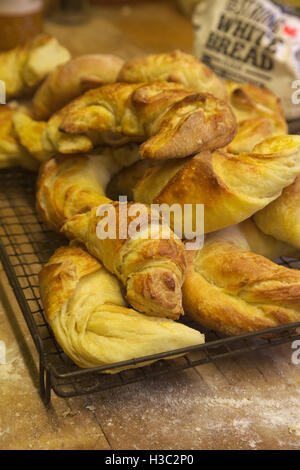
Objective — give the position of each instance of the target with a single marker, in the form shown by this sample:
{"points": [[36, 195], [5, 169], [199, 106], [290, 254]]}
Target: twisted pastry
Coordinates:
{"points": [[231, 187], [234, 291], [71, 79], [151, 269], [172, 121], [22, 69], [84, 306], [259, 115], [176, 66], [281, 218]]}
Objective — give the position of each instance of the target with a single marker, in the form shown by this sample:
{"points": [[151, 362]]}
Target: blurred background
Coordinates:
{"points": [[145, 22]]}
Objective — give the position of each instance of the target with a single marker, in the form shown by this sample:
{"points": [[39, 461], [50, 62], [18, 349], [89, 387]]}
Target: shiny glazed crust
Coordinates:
{"points": [[235, 291], [170, 120]]}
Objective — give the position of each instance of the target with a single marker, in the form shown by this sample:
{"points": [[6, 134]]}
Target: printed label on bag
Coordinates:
{"points": [[251, 41]]}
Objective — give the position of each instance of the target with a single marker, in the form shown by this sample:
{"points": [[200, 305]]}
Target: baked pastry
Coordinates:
{"points": [[251, 238], [151, 269], [235, 291], [176, 66], [73, 78], [170, 120], [259, 115], [281, 218], [84, 305], [231, 187], [67, 186], [12, 153], [29, 134], [22, 69]]}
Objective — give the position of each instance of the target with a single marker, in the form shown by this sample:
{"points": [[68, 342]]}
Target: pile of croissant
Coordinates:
{"points": [[160, 128]]}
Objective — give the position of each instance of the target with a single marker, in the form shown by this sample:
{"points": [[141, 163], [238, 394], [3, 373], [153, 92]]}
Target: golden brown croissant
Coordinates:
{"points": [[259, 115], [231, 187], [12, 152], [176, 66], [151, 269], [71, 79], [234, 291], [170, 120], [281, 218], [22, 69], [84, 306]]}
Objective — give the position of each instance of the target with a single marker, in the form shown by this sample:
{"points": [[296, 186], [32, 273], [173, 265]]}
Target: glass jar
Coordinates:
{"points": [[20, 20]]}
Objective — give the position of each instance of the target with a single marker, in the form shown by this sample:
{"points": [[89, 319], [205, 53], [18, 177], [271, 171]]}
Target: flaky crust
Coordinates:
{"points": [[151, 269], [170, 120], [281, 218], [231, 187], [69, 192], [23, 68], [29, 134], [12, 152], [67, 186], [234, 291], [259, 115], [176, 66], [84, 306], [71, 79]]}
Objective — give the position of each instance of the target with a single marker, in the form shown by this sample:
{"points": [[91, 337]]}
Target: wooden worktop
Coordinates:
{"points": [[251, 402]]}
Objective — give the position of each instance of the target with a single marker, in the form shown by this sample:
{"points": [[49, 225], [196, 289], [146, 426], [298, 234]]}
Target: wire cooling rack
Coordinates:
{"points": [[26, 245]]}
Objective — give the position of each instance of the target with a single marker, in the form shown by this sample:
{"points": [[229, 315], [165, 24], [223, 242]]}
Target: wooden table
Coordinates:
{"points": [[251, 402]]}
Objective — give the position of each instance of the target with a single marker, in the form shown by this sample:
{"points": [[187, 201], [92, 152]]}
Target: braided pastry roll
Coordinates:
{"points": [[231, 187], [84, 306], [170, 120], [73, 78], [259, 115], [234, 291], [176, 66], [151, 269], [22, 69]]}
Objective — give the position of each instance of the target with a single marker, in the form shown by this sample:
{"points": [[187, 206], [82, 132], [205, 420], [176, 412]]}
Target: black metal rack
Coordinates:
{"points": [[26, 245]]}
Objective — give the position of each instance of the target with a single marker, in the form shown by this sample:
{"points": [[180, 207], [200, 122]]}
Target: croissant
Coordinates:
{"points": [[84, 306], [235, 291], [22, 69], [176, 66], [170, 120], [71, 79], [259, 115], [12, 152], [152, 270], [281, 218], [231, 187]]}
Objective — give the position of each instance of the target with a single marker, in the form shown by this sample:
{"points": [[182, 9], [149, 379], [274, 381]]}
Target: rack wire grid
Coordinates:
{"points": [[26, 245]]}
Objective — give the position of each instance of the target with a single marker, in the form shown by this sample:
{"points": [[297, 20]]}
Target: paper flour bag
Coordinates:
{"points": [[252, 41]]}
